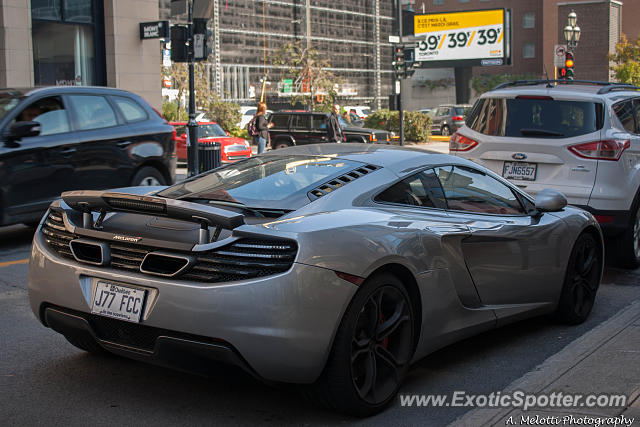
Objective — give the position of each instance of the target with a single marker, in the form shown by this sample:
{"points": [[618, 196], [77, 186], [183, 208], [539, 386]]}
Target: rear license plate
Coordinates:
{"points": [[120, 302], [520, 170]]}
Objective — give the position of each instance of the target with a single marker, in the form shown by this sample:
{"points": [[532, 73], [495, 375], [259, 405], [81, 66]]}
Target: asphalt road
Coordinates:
{"points": [[46, 381]]}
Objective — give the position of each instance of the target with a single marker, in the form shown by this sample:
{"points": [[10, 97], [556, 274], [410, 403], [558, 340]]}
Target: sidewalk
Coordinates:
{"points": [[603, 361]]}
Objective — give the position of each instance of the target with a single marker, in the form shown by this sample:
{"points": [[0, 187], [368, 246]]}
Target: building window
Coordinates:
{"points": [[529, 50], [529, 20], [63, 42], [438, 2]]}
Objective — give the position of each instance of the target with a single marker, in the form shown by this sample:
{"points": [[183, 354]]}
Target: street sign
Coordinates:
{"points": [[394, 39], [559, 51], [491, 62], [455, 36], [154, 30]]}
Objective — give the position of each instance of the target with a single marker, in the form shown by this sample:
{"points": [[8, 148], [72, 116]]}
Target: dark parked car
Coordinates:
{"points": [[447, 119], [304, 127], [57, 139]]}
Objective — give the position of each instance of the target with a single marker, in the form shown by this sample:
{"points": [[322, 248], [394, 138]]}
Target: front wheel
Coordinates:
{"points": [[281, 144], [445, 131], [371, 351], [581, 282]]}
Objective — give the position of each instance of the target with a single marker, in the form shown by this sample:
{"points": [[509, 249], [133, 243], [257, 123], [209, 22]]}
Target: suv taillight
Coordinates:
{"points": [[457, 118], [609, 149], [459, 142]]}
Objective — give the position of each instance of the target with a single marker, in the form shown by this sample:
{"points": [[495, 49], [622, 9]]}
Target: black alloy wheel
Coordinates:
{"points": [[371, 351], [581, 280], [445, 131], [381, 345]]}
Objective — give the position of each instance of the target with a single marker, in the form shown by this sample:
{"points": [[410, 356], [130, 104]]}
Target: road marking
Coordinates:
{"points": [[18, 261]]}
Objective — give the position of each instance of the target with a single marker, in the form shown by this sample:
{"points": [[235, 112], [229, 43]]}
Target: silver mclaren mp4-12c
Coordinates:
{"points": [[332, 265]]}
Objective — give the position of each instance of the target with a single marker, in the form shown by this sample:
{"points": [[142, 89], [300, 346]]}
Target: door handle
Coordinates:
{"points": [[69, 150], [124, 144]]}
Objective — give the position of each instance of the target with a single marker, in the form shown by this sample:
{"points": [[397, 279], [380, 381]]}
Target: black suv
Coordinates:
{"points": [[76, 138], [305, 127]]}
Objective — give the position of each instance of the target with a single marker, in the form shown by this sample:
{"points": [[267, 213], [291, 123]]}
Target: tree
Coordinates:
{"points": [[309, 72], [226, 114], [179, 74], [627, 61]]}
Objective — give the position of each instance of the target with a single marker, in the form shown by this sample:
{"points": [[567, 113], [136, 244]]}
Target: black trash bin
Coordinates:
{"points": [[209, 156]]}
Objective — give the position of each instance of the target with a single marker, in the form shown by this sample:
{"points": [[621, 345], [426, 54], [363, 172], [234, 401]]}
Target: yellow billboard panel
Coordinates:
{"points": [[458, 20]]}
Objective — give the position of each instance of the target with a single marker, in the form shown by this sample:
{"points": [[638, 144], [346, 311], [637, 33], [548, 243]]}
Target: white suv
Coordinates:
{"points": [[582, 139]]}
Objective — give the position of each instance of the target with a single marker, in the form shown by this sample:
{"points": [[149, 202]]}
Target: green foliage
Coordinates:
{"points": [[170, 112], [627, 60], [486, 82], [307, 68], [240, 133], [417, 126], [226, 114]]}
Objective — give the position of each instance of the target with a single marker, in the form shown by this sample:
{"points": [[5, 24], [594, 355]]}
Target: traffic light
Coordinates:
{"points": [[398, 60], [568, 65], [201, 35], [179, 38]]}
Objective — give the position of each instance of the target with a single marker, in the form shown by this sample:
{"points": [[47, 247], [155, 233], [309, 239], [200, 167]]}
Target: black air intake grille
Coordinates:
{"points": [[242, 259], [340, 181]]}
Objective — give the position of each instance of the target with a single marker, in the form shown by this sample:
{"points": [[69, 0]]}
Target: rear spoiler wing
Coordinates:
{"points": [[89, 201]]}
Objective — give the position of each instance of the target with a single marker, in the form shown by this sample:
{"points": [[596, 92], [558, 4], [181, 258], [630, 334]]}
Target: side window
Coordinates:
{"points": [[180, 130], [280, 121], [130, 109], [319, 123], [251, 112], [300, 122], [92, 112], [415, 191], [49, 112], [625, 112], [467, 189]]}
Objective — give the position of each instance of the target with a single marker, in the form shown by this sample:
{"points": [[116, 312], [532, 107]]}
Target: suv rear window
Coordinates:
{"points": [[280, 121], [541, 118]]}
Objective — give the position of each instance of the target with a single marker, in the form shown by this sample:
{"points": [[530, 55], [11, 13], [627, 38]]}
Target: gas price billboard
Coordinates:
{"points": [[457, 36]]}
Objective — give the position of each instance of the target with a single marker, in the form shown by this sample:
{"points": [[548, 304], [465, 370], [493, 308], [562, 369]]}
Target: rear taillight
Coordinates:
{"points": [[610, 149], [457, 118], [459, 142], [173, 139]]}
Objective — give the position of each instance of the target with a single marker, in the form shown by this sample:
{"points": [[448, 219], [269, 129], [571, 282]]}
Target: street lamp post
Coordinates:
{"points": [[572, 31]]}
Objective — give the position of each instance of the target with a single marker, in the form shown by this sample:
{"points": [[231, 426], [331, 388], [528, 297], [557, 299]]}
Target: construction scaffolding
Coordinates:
{"points": [[352, 35]]}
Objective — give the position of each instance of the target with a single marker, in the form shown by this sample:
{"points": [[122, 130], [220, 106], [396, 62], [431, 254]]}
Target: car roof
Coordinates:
{"points": [[401, 160], [28, 91], [562, 91]]}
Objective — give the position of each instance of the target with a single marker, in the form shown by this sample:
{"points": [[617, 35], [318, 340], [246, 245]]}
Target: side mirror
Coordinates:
{"points": [[549, 200], [183, 136], [227, 132], [20, 130]]}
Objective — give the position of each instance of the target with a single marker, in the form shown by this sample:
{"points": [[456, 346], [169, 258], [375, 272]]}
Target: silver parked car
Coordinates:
{"points": [[582, 139], [333, 265]]}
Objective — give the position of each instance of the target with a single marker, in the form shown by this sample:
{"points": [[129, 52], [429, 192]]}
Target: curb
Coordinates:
{"points": [[555, 366]]}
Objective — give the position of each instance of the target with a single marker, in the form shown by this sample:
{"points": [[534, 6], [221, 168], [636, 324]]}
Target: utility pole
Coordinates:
{"points": [[193, 167], [399, 77]]}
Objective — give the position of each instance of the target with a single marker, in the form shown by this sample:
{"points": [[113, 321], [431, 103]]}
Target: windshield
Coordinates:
{"points": [[264, 182], [461, 111], [8, 102], [210, 131], [366, 111]]}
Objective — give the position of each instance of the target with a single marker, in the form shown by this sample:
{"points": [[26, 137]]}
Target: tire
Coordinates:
{"points": [[581, 281], [445, 131], [628, 244], [88, 345], [281, 144], [366, 367], [148, 176]]}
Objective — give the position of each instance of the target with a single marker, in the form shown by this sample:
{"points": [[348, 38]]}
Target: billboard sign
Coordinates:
{"points": [[459, 36]]}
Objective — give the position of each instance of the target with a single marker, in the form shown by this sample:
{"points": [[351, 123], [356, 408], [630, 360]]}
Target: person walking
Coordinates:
{"points": [[334, 131], [262, 127]]}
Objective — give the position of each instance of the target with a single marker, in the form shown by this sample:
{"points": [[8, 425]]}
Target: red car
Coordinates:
{"points": [[233, 148]]}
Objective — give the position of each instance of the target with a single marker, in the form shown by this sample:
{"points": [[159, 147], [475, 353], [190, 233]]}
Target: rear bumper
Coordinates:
{"points": [[611, 222], [279, 327]]}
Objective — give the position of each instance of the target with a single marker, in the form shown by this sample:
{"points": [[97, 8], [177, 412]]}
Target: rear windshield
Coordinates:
{"points": [[461, 111], [264, 182], [535, 118]]}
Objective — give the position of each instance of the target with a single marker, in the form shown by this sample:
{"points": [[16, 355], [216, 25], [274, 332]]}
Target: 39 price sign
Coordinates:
{"points": [[460, 35]]}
